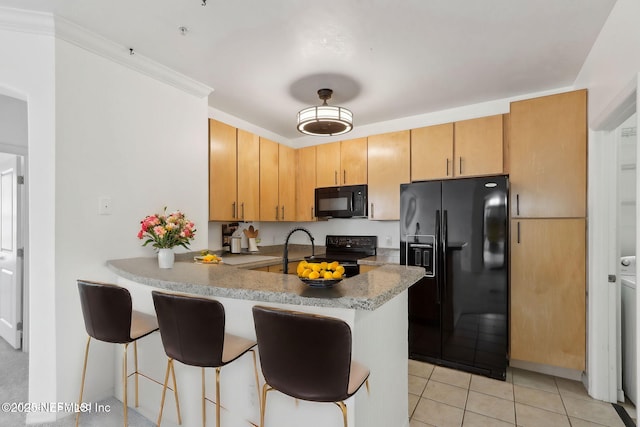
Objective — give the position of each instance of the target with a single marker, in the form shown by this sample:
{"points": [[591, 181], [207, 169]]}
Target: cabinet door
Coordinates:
{"points": [[222, 172], [328, 164], [478, 146], [548, 276], [432, 152], [305, 183], [248, 176], [269, 205], [388, 165], [548, 150], [287, 183], [353, 161]]}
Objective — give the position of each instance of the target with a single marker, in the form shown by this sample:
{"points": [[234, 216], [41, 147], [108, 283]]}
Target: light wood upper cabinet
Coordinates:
{"points": [[548, 276], [341, 163], [548, 156], [269, 201], [353, 161], [388, 164], [305, 183], [327, 164], [277, 181], [286, 183], [222, 172], [432, 152], [248, 146], [478, 146]]}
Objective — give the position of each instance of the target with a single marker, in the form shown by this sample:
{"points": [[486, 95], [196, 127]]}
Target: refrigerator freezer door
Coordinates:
{"points": [[419, 228]]}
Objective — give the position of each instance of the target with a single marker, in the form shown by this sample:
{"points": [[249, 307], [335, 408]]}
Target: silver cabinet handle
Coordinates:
{"points": [[233, 210], [344, 176], [335, 177], [460, 165], [312, 212], [276, 213], [242, 206], [282, 213], [447, 167], [372, 215], [518, 234], [518, 204]]}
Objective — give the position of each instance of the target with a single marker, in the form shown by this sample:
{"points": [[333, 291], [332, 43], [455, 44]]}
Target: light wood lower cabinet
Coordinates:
{"points": [[277, 268], [365, 267], [548, 286]]}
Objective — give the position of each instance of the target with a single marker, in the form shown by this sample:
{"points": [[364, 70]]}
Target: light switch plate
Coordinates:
{"points": [[104, 205]]}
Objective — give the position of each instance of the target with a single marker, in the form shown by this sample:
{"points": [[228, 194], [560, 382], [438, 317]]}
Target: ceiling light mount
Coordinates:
{"points": [[325, 120]]}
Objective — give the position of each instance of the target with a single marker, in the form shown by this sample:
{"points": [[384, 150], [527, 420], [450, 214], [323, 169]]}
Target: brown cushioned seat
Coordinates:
{"points": [[306, 356], [193, 333], [108, 316]]}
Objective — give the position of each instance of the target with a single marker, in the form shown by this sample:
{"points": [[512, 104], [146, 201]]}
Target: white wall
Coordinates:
{"points": [[13, 121], [610, 73], [26, 64], [138, 141], [614, 60]]}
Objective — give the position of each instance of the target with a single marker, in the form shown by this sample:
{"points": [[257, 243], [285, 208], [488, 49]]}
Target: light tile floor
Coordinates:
{"points": [[444, 397]]}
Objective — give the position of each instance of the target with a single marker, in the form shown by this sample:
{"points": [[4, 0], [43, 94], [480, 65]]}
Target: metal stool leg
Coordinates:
{"points": [[204, 409], [217, 397], [135, 360], [124, 384], [343, 408], [84, 371], [175, 393]]}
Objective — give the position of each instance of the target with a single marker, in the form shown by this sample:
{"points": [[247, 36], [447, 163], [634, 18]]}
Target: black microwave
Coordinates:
{"points": [[341, 202]]}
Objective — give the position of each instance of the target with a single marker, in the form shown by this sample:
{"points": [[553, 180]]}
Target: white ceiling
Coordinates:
{"points": [[384, 59]]}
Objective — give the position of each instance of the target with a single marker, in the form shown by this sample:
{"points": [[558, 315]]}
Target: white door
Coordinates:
{"points": [[10, 252]]}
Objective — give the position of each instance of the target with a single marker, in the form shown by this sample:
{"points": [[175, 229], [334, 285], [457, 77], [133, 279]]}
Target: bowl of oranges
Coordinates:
{"points": [[320, 274]]}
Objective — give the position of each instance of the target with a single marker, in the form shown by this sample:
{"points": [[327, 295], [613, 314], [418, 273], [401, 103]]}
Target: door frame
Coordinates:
{"points": [[602, 303]]}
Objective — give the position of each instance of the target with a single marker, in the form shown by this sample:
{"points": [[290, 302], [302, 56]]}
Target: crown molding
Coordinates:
{"points": [[79, 36], [26, 21]]}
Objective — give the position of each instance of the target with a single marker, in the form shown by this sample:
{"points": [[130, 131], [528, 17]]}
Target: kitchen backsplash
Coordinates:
{"points": [[274, 233]]}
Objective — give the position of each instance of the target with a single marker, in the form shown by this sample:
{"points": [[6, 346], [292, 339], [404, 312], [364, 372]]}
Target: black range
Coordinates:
{"points": [[347, 250]]}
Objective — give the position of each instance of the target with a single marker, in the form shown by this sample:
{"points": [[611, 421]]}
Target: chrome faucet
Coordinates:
{"points": [[285, 257]]}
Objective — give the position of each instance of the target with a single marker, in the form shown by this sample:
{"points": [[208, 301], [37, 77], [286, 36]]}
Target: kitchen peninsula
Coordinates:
{"points": [[374, 304]]}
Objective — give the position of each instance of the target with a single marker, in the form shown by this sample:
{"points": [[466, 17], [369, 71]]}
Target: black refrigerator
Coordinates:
{"points": [[458, 231]]}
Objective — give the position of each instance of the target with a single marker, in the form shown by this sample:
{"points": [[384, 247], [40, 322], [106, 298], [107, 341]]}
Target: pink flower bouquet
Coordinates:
{"points": [[166, 231]]}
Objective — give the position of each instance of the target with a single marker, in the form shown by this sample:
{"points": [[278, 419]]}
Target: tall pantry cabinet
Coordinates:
{"points": [[548, 179]]}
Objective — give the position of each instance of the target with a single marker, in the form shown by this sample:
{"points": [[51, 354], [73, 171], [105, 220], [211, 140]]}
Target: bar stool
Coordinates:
{"points": [[307, 357], [192, 331], [108, 316]]}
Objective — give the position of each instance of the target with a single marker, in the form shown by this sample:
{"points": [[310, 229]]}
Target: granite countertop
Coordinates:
{"points": [[366, 291], [384, 256]]}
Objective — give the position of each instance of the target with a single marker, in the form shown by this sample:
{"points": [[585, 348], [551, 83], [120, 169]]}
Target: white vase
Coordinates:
{"points": [[166, 257]]}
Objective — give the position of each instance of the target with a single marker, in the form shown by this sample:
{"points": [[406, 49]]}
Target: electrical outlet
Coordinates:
{"points": [[388, 241], [104, 205]]}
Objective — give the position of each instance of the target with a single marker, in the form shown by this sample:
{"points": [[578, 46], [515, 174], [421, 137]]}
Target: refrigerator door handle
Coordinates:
{"points": [[443, 281], [436, 258]]}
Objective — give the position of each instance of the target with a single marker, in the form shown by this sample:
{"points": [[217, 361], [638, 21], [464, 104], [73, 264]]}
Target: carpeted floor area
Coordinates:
{"points": [[14, 386]]}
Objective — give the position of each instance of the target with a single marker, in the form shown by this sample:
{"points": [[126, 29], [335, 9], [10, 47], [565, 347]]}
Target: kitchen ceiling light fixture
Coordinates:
{"points": [[325, 120]]}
